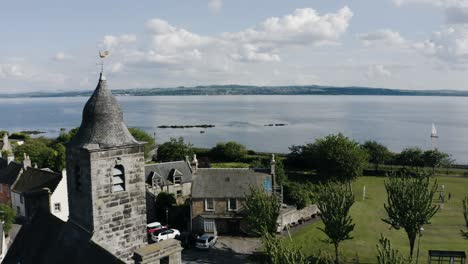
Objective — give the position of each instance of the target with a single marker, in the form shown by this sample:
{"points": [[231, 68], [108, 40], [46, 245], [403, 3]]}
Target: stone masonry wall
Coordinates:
{"points": [[119, 218]]}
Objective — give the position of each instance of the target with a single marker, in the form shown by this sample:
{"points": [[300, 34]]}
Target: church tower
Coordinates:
{"points": [[105, 174]]}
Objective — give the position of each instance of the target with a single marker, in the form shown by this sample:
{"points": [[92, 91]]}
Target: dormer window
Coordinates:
{"points": [[118, 179], [177, 179], [156, 182]]}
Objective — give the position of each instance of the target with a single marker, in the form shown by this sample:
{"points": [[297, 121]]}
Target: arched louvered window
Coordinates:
{"points": [[118, 179]]}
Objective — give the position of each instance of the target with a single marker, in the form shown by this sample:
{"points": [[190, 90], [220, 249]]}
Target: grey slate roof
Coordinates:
{"points": [[167, 170], [10, 173], [35, 179], [49, 240], [102, 125], [227, 183]]}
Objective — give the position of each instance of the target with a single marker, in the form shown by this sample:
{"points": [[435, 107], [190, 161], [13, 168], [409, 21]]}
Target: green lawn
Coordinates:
{"points": [[229, 165], [443, 233]]}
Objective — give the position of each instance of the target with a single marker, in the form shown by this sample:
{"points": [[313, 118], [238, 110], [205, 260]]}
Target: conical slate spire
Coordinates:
{"points": [[102, 125]]}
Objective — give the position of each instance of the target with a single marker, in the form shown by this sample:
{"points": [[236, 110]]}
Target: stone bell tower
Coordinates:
{"points": [[105, 174]]}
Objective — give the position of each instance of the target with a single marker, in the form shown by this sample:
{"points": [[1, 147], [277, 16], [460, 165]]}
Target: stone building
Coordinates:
{"points": [[218, 196], [170, 177], [106, 191]]}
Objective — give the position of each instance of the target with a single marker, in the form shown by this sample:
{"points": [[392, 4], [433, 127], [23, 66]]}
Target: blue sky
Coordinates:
{"points": [[408, 44]]}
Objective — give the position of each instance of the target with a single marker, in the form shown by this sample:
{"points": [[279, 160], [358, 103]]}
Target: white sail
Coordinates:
{"points": [[434, 131]]}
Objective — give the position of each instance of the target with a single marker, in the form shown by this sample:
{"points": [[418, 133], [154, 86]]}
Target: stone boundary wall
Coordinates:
{"points": [[291, 216]]}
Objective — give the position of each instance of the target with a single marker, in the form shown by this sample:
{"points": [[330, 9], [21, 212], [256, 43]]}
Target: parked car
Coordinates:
{"points": [[164, 234], [153, 227], [206, 241]]}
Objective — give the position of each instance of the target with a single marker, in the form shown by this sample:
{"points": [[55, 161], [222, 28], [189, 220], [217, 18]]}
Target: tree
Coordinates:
{"points": [[174, 149], [337, 157], [163, 203], [7, 215], [465, 215], [41, 153], [141, 135], [298, 194], [281, 176], [387, 255], [412, 157], [435, 158], [230, 151], [409, 205], [280, 253], [301, 156], [262, 211], [334, 200], [378, 153]]}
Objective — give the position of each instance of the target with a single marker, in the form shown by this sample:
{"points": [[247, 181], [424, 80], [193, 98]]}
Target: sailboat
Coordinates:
{"points": [[434, 131]]}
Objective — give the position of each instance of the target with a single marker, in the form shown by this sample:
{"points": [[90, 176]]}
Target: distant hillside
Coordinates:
{"points": [[252, 90]]}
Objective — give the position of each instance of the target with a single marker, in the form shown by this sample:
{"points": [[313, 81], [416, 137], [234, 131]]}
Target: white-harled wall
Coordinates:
{"points": [[60, 196], [17, 205]]}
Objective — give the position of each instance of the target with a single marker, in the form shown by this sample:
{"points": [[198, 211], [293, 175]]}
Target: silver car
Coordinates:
{"points": [[206, 241]]}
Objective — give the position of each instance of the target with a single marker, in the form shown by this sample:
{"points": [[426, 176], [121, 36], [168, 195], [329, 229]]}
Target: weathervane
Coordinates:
{"points": [[103, 55]]}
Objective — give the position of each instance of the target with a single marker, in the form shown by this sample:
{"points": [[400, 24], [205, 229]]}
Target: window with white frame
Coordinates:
{"points": [[156, 181], [232, 204], [118, 179], [209, 204], [179, 193], [57, 207], [177, 179]]}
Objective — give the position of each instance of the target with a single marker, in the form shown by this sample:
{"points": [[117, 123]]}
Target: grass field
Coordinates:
{"points": [[443, 233]]}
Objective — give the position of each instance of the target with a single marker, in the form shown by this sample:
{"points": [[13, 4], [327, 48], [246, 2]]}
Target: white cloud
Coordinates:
{"points": [[249, 52], [378, 71], [385, 36], [11, 71], [62, 56], [303, 26], [110, 42], [116, 67], [215, 5]]}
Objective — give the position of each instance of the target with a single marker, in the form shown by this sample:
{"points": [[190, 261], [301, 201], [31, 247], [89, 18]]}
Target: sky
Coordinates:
{"points": [[53, 45]]}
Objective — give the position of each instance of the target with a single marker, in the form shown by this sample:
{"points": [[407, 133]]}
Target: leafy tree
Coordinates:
{"points": [[230, 151], [141, 135], [297, 194], [280, 253], [435, 158], [409, 205], [40, 152], [164, 202], [65, 137], [262, 211], [412, 157], [334, 201], [387, 255], [7, 215], [339, 158], [465, 215], [174, 149], [301, 156], [280, 173], [378, 153]]}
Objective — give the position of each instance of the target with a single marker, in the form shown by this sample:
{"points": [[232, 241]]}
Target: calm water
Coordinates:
{"points": [[398, 122]]}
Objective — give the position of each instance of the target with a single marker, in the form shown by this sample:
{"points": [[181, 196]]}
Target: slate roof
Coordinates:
{"points": [[102, 125], [10, 173], [47, 239], [227, 183], [167, 170], [35, 179]]}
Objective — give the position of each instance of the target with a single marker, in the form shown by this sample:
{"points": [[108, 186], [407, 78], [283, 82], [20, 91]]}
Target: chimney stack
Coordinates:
{"points": [[26, 161], [194, 163], [273, 171]]}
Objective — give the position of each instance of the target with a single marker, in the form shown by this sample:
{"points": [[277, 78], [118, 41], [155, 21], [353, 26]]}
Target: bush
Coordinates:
{"points": [[230, 151], [174, 149]]}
